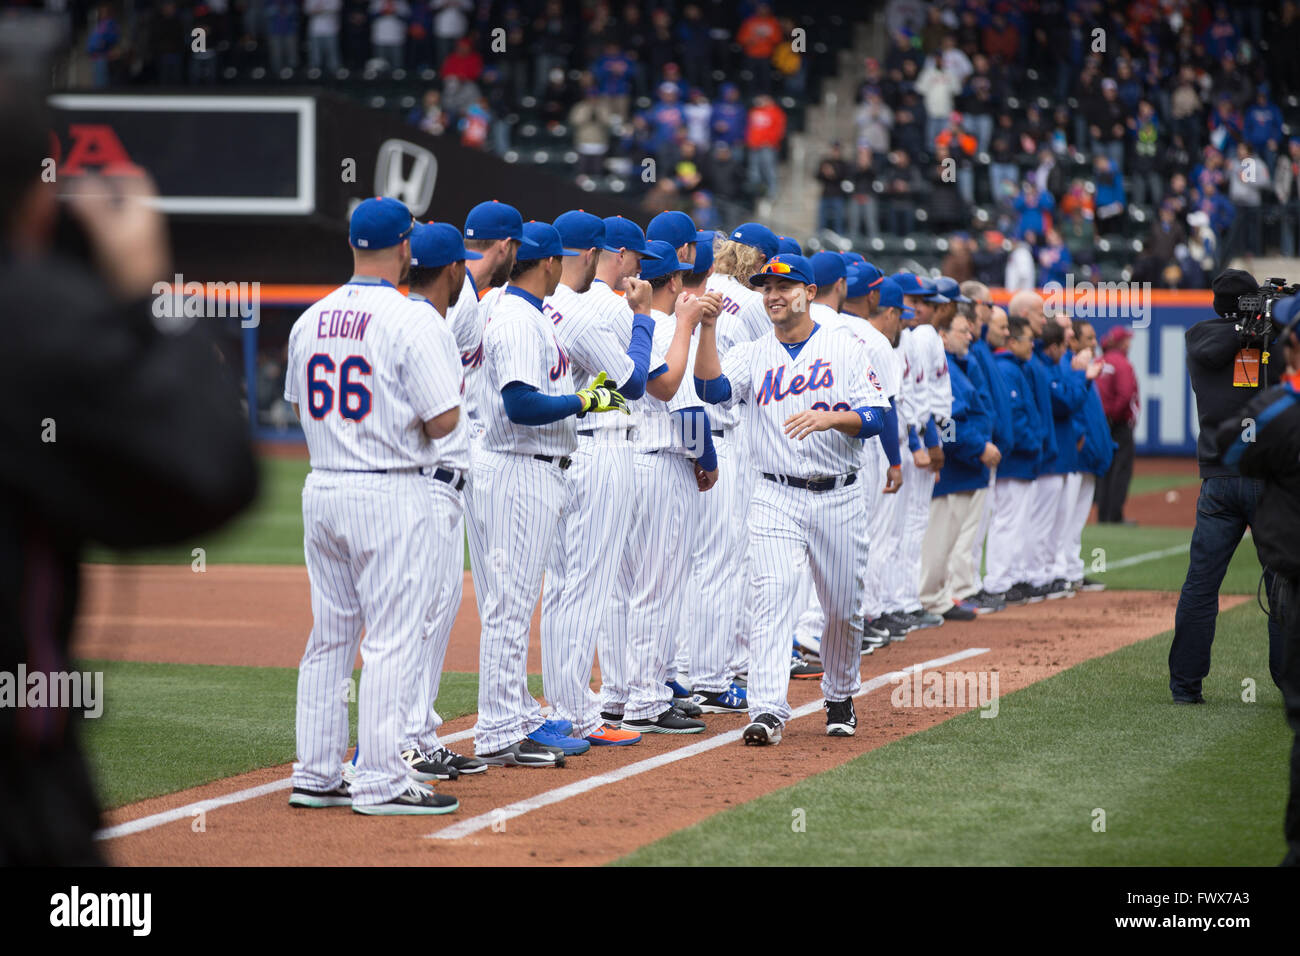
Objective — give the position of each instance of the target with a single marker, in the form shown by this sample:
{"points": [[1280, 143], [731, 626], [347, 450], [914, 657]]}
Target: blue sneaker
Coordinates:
{"points": [[560, 728], [568, 746], [724, 702], [739, 691], [677, 689]]}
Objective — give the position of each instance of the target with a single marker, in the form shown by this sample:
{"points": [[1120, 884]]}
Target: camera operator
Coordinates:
{"points": [[114, 431], [1225, 376], [1263, 440]]}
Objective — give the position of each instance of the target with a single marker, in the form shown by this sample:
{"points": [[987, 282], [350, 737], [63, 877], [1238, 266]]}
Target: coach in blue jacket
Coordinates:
{"points": [[969, 452], [1009, 526], [1048, 482], [1057, 488], [1095, 447]]}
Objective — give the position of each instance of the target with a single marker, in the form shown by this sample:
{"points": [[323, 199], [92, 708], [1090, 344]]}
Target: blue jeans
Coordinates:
{"points": [[1225, 507], [830, 214]]}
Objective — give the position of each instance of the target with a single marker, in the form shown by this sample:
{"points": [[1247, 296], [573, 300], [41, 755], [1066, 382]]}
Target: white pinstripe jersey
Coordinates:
{"points": [[742, 319], [368, 367], [452, 451], [831, 373], [938, 387], [657, 430], [595, 328], [519, 345]]}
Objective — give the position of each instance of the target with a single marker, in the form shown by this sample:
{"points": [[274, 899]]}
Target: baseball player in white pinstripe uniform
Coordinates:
{"points": [[380, 382], [812, 399], [517, 492], [599, 330]]}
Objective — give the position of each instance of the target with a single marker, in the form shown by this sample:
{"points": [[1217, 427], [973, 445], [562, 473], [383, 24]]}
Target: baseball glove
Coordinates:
{"points": [[599, 397]]}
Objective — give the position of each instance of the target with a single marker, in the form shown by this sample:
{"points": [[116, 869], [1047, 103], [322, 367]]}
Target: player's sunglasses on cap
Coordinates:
{"points": [[662, 262], [759, 236], [495, 220], [623, 233], [676, 229], [379, 223], [438, 244], [792, 267], [828, 268], [541, 241], [787, 246], [581, 230], [950, 288]]}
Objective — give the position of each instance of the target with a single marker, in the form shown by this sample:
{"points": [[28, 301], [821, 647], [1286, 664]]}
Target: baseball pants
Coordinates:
{"points": [[1047, 511], [918, 487], [954, 519], [968, 580], [368, 540], [514, 509], [448, 546], [1007, 534], [735, 448], [580, 579], [652, 576], [1079, 488], [788, 525]]}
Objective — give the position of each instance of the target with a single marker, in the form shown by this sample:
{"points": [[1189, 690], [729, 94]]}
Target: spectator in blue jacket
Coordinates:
{"points": [[958, 495], [1009, 524], [730, 117], [1033, 207], [1263, 126]]}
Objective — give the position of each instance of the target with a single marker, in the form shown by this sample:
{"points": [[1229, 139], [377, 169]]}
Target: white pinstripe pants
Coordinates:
{"points": [[1077, 503], [580, 579], [788, 525], [918, 488], [733, 448], [1008, 529], [969, 581], [368, 544], [514, 509], [1045, 525], [448, 548]]}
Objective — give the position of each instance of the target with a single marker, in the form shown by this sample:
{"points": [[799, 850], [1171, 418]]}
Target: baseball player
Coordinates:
{"points": [[678, 230], [379, 379], [1008, 527], [517, 491], [811, 399], [675, 461], [786, 245], [598, 330], [438, 279]]}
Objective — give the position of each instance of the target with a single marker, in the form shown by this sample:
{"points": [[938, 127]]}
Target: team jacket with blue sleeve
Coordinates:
{"points": [[1021, 459], [1038, 370], [972, 421], [993, 389], [1068, 390], [1098, 447]]}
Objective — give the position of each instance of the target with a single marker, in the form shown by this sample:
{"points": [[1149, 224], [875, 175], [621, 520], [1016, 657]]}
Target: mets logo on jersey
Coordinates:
{"points": [[871, 374], [772, 390], [472, 359], [561, 366]]}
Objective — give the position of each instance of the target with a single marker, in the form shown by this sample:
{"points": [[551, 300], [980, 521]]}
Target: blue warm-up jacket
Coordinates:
{"points": [[1039, 372], [1020, 460], [1068, 390], [992, 388], [972, 425]]}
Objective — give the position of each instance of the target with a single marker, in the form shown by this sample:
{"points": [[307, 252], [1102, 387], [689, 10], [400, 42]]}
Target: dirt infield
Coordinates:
{"points": [[1023, 645]]}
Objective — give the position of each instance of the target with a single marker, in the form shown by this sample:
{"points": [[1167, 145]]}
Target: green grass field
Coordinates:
{"points": [[1179, 785], [166, 727]]}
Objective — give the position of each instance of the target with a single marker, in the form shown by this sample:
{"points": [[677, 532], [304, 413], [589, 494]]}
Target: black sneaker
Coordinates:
{"points": [[609, 717], [1032, 594], [765, 729], [1058, 588], [1014, 596], [414, 801], [959, 613], [1089, 584], [841, 721], [525, 753], [872, 629], [722, 702], [897, 625], [671, 721], [458, 762], [986, 603], [424, 767], [340, 796], [924, 619], [869, 637], [688, 707]]}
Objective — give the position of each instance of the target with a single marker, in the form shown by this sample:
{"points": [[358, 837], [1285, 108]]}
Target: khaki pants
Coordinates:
{"points": [[954, 520]]}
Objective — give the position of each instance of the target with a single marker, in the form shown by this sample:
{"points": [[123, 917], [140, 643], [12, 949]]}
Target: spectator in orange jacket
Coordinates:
{"points": [[758, 37], [465, 63], [764, 134]]}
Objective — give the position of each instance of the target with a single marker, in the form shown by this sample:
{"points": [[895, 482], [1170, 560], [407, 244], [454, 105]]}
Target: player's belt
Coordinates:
{"points": [[623, 434], [814, 484], [454, 478], [564, 462], [717, 433]]}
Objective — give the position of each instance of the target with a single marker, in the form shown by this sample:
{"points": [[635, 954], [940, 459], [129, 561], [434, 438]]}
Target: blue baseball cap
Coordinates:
{"points": [[870, 274], [828, 268], [950, 288], [786, 266], [541, 241], [379, 223], [912, 285], [623, 233], [859, 284], [936, 297], [759, 236], [853, 258], [891, 296], [582, 230], [786, 245], [1285, 312], [676, 229], [704, 253], [438, 244], [663, 261], [495, 220]]}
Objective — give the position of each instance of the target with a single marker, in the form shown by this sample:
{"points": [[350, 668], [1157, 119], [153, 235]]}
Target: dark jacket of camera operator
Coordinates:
{"points": [[1271, 451], [1212, 348]]}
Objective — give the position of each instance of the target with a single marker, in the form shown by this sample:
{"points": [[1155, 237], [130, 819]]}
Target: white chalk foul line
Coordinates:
{"points": [[587, 784], [1147, 556], [180, 813]]}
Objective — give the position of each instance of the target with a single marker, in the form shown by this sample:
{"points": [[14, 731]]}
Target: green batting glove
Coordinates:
{"points": [[599, 397]]}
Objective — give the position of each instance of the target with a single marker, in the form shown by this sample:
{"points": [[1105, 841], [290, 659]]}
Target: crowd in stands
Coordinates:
{"points": [[1049, 126]]}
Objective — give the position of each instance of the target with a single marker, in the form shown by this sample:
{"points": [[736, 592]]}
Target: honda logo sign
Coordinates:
{"points": [[407, 172]]}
